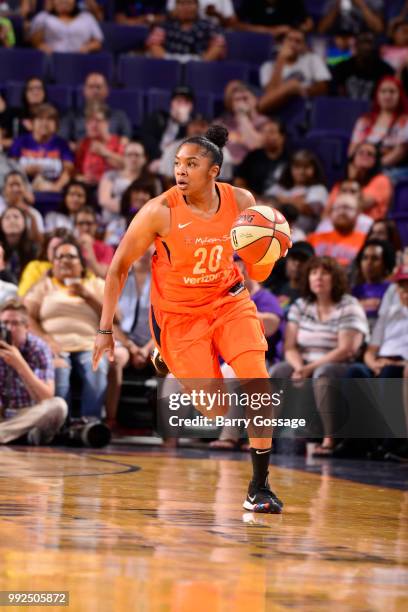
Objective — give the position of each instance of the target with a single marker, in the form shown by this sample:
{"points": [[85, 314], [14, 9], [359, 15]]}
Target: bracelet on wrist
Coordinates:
{"points": [[108, 332]]}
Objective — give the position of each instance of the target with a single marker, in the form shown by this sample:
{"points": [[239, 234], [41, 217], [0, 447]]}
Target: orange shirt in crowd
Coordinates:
{"points": [[343, 248], [379, 189]]}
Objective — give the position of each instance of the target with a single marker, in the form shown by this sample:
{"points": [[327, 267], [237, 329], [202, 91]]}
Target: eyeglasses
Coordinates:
{"points": [[12, 323], [68, 256]]}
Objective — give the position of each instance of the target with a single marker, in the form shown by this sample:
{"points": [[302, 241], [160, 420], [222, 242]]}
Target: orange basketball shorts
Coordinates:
{"points": [[190, 344]]}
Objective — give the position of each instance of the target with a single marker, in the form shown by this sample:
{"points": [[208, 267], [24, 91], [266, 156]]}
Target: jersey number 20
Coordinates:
{"points": [[208, 260]]}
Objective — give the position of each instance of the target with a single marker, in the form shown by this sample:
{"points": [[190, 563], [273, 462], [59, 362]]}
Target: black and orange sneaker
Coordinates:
{"points": [[262, 499], [157, 360]]}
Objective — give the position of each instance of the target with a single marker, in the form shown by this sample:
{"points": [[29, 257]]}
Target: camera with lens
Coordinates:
{"points": [[5, 333], [86, 431]]}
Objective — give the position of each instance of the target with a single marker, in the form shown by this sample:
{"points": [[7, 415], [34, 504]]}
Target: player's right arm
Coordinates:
{"points": [[151, 221]]}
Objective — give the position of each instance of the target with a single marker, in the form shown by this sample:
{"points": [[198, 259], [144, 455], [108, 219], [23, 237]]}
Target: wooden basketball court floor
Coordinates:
{"points": [[131, 529]]}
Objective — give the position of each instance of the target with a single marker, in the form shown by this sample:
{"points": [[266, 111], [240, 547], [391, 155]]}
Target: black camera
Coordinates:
{"points": [[86, 432], [5, 333]]}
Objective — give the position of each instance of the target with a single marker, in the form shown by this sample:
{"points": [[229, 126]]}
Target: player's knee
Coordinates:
{"points": [[250, 364]]}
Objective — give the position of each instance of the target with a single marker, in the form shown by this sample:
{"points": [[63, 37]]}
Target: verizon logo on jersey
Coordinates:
{"points": [[205, 278]]}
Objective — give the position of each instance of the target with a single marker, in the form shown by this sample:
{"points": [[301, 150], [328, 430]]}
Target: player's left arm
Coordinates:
{"points": [[245, 199]]}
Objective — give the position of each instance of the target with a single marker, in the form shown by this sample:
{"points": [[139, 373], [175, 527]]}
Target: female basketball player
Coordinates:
{"points": [[200, 308]]}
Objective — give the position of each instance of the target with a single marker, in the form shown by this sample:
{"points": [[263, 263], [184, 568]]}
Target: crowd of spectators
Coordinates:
{"points": [[72, 178]]}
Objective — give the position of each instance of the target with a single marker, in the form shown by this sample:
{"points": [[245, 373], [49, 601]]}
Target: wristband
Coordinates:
{"points": [[108, 332]]}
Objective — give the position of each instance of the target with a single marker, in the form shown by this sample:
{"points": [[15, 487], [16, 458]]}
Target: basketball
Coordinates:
{"points": [[260, 235]]}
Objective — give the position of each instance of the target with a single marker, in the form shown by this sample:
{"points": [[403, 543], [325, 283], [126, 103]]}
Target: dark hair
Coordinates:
{"points": [[24, 102], [305, 157], [59, 232], [338, 275], [397, 23], [88, 210], [74, 13], [376, 169], [388, 256], [393, 236], [63, 209], [73, 242], [145, 182], [279, 124], [290, 212], [213, 142], [46, 110], [25, 248], [15, 173]]}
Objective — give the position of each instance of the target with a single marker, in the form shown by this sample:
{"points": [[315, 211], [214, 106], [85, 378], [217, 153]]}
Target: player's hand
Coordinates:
{"points": [[104, 343], [289, 247]]}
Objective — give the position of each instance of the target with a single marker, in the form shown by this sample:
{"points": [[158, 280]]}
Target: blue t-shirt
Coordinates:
{"points": [[48, 155], [370, 295]]}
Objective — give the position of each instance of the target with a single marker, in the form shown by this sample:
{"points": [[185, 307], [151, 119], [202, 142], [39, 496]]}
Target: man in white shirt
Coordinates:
{"points": [[295, 72]]}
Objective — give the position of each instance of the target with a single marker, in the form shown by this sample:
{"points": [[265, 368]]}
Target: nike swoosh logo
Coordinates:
{"points": [[262, 452], [182, 225], [251, 499]]}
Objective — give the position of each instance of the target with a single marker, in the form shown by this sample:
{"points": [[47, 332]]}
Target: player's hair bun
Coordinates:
{"points": [[217, 134]]}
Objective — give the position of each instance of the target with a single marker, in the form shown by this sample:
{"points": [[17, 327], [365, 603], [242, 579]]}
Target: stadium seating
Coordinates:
{"points": [[336, 115], [60, 95], [145, 73], [72, 68], [249, 47], [401, 198], [213, 76], [129, 100], [20, 64], [159, 99], [122, 38]]}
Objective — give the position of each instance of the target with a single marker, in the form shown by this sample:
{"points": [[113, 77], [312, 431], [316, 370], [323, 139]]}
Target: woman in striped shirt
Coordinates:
{"points": [[326, 328]]}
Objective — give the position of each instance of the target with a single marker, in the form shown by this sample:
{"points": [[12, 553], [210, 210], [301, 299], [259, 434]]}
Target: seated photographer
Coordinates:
{"points": [[28, 406], [64, 309], [325, 330], [135, 341]]}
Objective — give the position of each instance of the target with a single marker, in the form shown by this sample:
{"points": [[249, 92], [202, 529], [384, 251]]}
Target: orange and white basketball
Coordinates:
{"points": [[260, 235]]}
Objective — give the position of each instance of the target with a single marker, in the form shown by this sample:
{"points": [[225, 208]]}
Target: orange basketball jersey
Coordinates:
{"points": [[193, 265]]}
